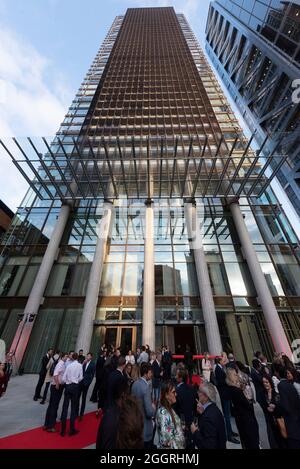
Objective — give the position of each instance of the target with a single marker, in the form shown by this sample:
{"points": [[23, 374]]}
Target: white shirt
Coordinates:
{"points": [[59, 371], [143, 358], [130, 359], [73, 373]]}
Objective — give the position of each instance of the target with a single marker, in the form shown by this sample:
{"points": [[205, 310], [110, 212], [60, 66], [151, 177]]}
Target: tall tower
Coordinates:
{"points": [[149, 219], [255, 46]]}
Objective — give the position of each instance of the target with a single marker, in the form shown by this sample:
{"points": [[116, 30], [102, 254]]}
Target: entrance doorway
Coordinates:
{"points": [[122, 336], [184, 335]]}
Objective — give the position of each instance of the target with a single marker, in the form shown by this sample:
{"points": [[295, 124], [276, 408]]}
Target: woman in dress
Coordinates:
{"points": [[206, 367], [270, 405], [243, 411], [130, 358], [169, 432]]}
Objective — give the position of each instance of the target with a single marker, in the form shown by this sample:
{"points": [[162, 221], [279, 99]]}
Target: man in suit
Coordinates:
{"points": [[185, 397], [115, 379], [141, 390], [289, 405], [156, 377], [81, 357], [166, 362], [210, 432], [42, 374], [88, 371], [185, 402], [188, 361], [224, 392]]}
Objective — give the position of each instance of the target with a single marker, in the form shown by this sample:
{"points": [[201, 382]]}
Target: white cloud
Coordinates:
{"points": [[33, 101]]}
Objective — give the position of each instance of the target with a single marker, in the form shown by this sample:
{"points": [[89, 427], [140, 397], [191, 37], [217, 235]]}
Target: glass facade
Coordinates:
{"points": [[255, 47], [149, 79]]}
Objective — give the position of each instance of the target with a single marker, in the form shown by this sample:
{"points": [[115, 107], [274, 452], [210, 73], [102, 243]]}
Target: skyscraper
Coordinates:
{"points": [[149, 219], [255, 46]]}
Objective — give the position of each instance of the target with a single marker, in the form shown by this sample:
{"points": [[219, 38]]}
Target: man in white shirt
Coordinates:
{"points": [[71, 377], [56, 391], [144, 357]]}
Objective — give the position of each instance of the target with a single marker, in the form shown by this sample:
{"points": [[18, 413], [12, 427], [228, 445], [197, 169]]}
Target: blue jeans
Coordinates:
{"points": [[156, 394]]}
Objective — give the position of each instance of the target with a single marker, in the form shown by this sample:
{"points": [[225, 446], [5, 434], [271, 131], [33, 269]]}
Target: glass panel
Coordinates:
{"points": [[69, 330], [133, 282], [126, 339], [111, 336], [10, 279], [111, 280], [28, 280], [44, 336], [57, 280]]}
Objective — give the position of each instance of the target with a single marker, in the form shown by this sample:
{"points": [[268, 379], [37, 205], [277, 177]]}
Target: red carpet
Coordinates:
{"points": [[37, 438]]}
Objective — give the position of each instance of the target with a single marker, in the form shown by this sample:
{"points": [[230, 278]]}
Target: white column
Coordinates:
{"points": [[36, 295], [92, 293], [149, 280], [207, 301], [275, 327]]}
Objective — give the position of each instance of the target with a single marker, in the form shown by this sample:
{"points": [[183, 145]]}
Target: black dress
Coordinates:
{"points": [[274, 436], [245, 418]]}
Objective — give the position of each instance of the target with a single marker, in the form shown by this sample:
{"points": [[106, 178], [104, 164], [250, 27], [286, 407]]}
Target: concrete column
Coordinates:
{"points": [[275, 327], [92, 293], [36, 295], [207, 301], [149, 280]]}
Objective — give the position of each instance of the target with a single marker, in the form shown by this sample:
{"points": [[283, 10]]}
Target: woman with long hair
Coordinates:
{"points": [[271, 406], [169, 433], [243, 411], [131, 425]]}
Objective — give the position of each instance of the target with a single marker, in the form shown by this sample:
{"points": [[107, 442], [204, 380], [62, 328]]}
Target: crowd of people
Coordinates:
{"points": [[150, 400]]}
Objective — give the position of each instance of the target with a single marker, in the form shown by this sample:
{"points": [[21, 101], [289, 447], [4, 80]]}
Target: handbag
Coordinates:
{"points": [[282, 427]]}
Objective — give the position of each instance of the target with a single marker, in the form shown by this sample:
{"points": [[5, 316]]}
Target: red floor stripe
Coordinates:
{"points": [[37, 438]]}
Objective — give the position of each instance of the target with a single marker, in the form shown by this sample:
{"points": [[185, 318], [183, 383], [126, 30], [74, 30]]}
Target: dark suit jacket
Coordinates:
{"points": [[245, 418], [211, 433], [257, 379], [88, 374], [188, 360], [290, 408], [185, 402], [156, 370], [222, 386], [115, 380], [108, 429]]}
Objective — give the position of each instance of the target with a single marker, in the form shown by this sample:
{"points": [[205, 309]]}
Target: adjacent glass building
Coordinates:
{"points": [[255, 47], [149, 219]]}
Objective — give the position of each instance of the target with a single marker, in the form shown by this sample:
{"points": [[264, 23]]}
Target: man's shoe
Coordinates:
{"points": [[235, 434], [51, 430], [62, 433], [234, 440], [42, 402], [74, 432], [80, 418], [35, 398]]}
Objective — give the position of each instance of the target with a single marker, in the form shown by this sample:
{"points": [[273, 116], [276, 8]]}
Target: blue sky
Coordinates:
{"points": [[46, 48]]}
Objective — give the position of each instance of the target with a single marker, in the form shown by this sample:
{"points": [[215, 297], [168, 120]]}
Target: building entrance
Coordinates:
{"points": [[123, 337]]}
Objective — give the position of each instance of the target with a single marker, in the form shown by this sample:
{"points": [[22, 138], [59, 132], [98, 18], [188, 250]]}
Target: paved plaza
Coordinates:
{"points": [[20, 413]]}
